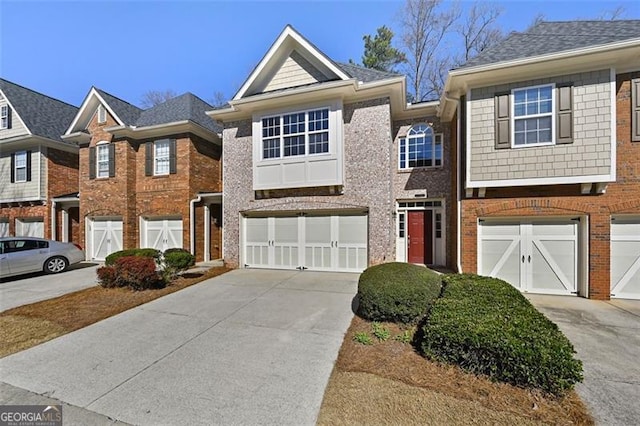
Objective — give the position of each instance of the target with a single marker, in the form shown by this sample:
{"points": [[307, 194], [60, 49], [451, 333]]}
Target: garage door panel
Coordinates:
{"points": [[625, 258], [105, 237], [553, 265]]}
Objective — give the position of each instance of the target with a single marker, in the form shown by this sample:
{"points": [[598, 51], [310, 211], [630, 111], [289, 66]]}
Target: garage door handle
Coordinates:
{"points": [[523, 258], [529, 258]]}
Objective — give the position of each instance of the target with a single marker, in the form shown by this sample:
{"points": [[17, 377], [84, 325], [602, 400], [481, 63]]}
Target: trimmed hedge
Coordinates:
{"points": [[135, 272], [488, 327], [143, 252], [177, 260], [397, 292]]}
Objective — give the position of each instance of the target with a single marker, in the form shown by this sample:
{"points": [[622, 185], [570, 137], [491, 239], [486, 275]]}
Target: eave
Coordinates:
{"points": [[164, 129], [28, 140]]}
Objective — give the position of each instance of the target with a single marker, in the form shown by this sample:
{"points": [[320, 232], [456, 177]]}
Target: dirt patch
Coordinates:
{"points": [[30, 325], [399, 362]]}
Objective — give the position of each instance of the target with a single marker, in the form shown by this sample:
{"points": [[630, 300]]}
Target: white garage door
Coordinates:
{"points": [[4, 228], [105, 237], [329, 243], [161, 233], [534, 257], [625, 258], [30, 227]]}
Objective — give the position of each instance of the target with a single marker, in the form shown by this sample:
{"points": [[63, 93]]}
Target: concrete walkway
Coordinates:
{"points": [[248, 347], [606, 336]]}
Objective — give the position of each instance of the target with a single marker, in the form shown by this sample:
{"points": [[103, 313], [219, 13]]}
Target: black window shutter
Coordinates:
{"points": [[172, 156], [9, 114], [28, 166], [502, 121], [148, 159], [564, 114], [92, 162], [13, 167], [635, 110], [112, 160]]}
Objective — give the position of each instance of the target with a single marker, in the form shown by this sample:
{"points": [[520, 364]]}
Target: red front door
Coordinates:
{"points": [[420, 231]]}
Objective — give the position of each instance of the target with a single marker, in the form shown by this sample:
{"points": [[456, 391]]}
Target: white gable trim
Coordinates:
{"points": [[13, 111], [279, 47], [87, 110]]}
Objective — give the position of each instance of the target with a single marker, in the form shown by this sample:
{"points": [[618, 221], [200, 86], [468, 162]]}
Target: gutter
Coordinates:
{"points": [[53, 219]]}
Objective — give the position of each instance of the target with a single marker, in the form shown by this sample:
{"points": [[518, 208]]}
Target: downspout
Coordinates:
{"points": [[53, 219], [458, 199], [192, 224]]}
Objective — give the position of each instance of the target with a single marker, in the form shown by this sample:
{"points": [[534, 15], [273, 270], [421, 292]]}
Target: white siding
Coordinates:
{"points": [[17, 128]]}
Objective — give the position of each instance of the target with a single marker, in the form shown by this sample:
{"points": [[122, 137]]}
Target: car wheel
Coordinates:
{"points": [[55, 264]]}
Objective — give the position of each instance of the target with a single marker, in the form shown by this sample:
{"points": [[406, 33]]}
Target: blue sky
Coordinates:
{"points": [[127, 48]]}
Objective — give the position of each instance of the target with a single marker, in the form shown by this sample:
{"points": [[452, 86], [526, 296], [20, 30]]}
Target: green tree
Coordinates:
{"points": [[379, 54]]}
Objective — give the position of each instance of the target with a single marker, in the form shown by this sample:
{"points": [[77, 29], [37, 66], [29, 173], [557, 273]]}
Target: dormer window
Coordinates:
{"points": [[421, 148], [5, 118], [102, 114]]}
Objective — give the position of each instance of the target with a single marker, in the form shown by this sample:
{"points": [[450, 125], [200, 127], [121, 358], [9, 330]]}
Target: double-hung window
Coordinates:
{"points": [[102, 161], [161, 157], [20, 166], [295, 134], [533, 116], [420, 148], [4, 117]]}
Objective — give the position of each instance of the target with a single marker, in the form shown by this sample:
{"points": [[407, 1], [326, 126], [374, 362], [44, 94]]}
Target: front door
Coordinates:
{"points": [[420, 232]]}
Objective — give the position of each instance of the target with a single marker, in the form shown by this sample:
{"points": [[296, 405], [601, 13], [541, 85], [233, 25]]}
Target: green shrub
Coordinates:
{"points": [[143, 252], [487, 327], [397, 292], [135, 272], [381, 332], [175, 261], [363, 338]]}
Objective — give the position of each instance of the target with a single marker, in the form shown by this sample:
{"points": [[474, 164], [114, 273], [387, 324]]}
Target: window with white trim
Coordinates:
{"points": [[4, 117], [161, 157], [102, 160], [533, 115], [102, 114], [420, 148], [20, 166], [295, 134], [401, 225]]}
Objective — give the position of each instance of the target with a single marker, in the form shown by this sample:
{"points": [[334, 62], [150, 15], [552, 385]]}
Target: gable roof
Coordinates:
{"points": [[43, 115], [365, 75], [184, 107], [554, 37], [126, 112]]}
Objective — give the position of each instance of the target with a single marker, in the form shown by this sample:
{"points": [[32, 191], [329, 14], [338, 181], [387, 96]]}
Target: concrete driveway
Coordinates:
{"points": [[248, 347], [30, 288], [606, 336]]}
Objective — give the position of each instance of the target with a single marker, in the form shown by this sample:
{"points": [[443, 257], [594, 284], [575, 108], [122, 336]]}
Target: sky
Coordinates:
{"points": [[130, 47]]}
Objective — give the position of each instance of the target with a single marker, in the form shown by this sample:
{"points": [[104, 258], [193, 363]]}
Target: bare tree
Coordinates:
{"points": [[619, 12], [539, 18], [152, 98], [425, 24], [479, 30], [218, 100]]}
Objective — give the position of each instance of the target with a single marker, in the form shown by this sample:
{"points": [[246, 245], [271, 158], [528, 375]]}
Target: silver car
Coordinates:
{"points": [[21, 255]]}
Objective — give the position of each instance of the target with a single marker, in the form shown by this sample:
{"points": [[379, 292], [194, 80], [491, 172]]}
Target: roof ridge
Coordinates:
{"points": [[115, 97], [38, 93]]}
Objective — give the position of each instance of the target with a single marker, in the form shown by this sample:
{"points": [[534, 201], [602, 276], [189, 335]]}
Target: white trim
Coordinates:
{"points": [[614, 127], [406, 138], [513, 118], [207, 233], [85, 104], [288, 33], [99, 145], [26, 166], [468, 141], [4, 114], [538, 181], [458, 171], [156, 157], [64, 225], [102, 114], [53, 220], [13, 110]]}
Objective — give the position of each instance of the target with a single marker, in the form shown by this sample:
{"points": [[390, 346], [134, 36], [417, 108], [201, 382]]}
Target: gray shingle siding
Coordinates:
{"points": [[554, 37]]}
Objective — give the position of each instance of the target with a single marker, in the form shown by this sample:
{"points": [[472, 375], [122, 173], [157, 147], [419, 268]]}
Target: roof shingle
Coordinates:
{"points": [[184, 107], [124, 110]]}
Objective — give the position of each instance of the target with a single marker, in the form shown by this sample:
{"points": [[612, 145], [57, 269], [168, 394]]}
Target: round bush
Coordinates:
{"points": [[177, 260], [141, 252], [397, 292]]}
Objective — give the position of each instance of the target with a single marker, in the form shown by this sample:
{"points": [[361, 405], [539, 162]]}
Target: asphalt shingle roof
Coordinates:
{"points": [[123, 109], [553, 37], [43, 115], [184, 107], [363, 74]]}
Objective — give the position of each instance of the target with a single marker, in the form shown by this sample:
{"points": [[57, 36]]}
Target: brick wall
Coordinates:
{"points": [[622, 196]]}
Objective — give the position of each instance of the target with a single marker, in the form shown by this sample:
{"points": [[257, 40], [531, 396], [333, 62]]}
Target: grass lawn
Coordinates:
{"points": [[30, 325], [389, 383]]}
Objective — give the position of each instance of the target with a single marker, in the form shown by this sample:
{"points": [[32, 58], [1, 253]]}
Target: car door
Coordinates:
{"points": [[4, 261], [26, 255]]}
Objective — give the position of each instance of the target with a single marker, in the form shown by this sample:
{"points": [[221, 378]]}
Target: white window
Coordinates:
{"points": [[102, 114], [295, 134], [421, 148], [21, 166], [533, 116], [4, 117], [102, 160], [161, 157]]}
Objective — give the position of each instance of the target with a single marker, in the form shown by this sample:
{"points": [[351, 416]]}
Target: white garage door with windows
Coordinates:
{"points": [[161, 233], [625, 257], [314, 242], [536, 257], [30, 227], [104, 236], [4, 228]]}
